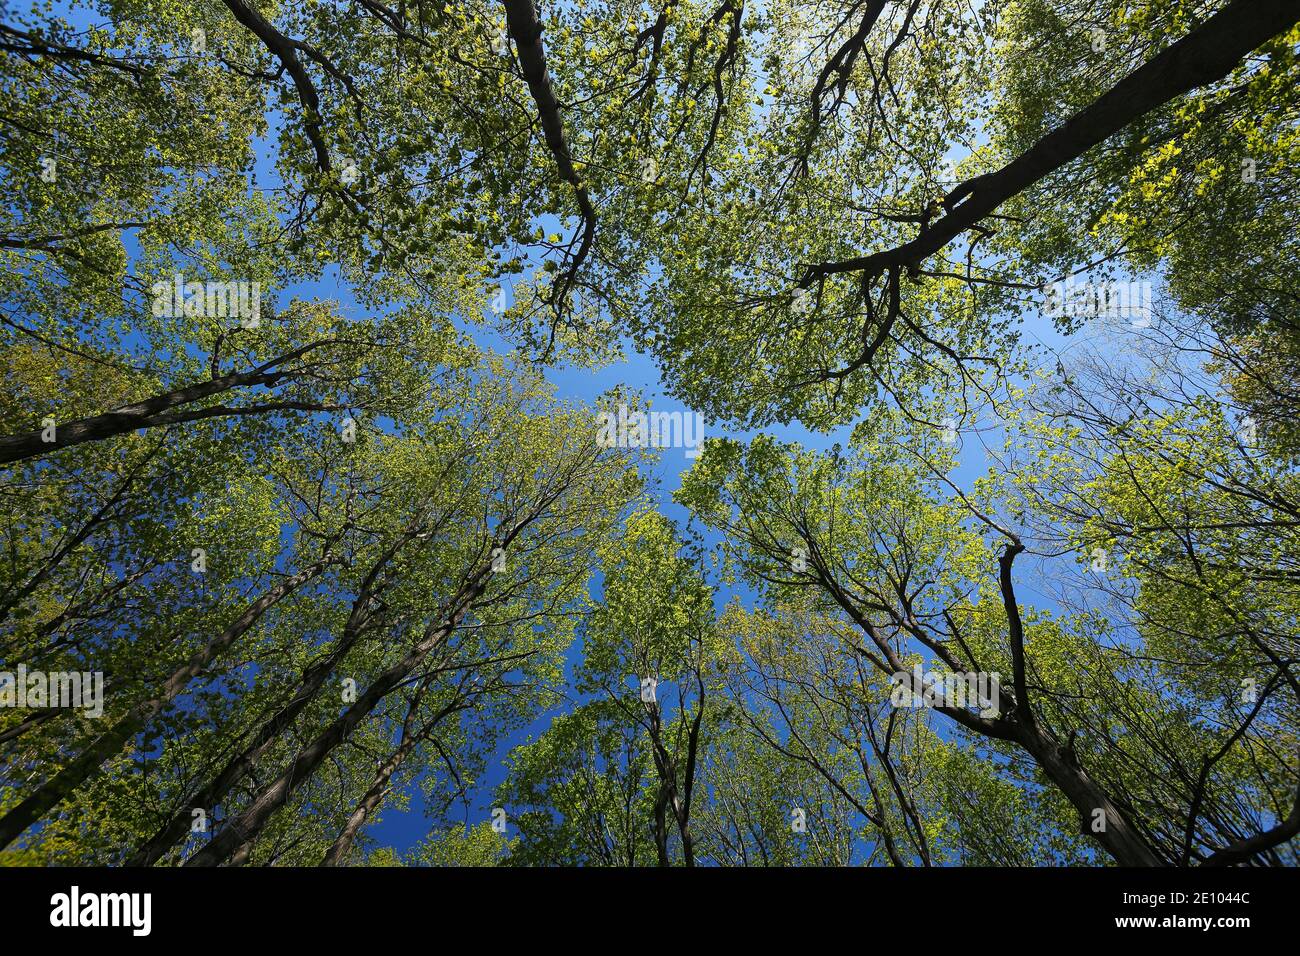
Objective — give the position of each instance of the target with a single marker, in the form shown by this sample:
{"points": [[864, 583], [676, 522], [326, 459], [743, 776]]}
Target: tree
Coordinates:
{"points": [[910, 569], [623, 757]]}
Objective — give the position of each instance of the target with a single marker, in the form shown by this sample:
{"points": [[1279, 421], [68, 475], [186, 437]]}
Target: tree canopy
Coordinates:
{"points": [[991, 556]]}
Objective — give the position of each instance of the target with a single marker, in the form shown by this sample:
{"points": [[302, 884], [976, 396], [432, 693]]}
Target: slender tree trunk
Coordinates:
{"points": [[101, 515], [55, 790], [661, 824], [309, 687], [368, 804], [216, 789], [29, 723], [374, 797], [276, 794]]}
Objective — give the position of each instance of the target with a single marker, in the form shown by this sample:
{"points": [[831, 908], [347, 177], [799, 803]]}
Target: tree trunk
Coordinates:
{"points": [[310, 685], [215, 791], [1118, 837], [368, 804], [1204, 56], [111, 742], [162, 409], [276, 794]]}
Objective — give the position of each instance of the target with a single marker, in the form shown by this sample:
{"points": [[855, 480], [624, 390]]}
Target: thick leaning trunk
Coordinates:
{"points": [[167, 408], [58, 788], [240, 857], [1206, 55], [250, 823], [1059, 766]]}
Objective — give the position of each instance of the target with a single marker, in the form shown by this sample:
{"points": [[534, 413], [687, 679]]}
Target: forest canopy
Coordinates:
{"points": [[313, 516]]}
